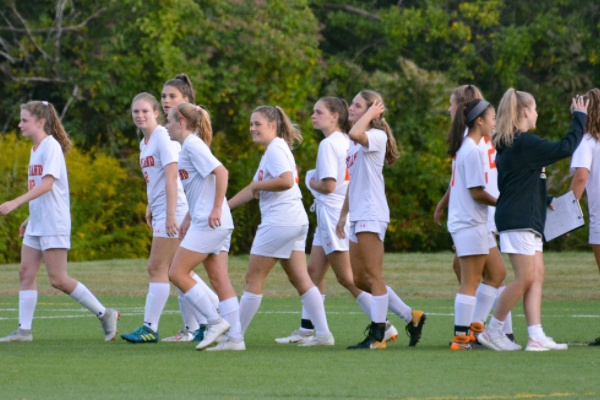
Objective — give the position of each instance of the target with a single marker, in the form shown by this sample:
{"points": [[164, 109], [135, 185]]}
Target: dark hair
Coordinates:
{"points": [[391, 149], [285, 128], [197, 120], [52, 126], [466, 115], [183, 83], [336, 105]]}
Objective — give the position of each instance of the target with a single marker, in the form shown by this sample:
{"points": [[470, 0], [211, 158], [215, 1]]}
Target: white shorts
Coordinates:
{"points": [[211, 241], [377, 227], [594, 237], [473, 241], [279, 241], [325, 235], [521, 242], [159, 225], [44, 243]]}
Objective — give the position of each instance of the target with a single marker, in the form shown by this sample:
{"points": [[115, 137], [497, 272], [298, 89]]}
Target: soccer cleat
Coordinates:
{"points": [[298, 336], [415, 327], [199, 333], [109, 323], [318, 340], [497, 340], [475, 329], [143, 334], [511, 337], [460, 342], [545, 344], [212, 332], [391, 333], [374, 338], [20, 335], [228, 344], [596, 342], [184, 335]]}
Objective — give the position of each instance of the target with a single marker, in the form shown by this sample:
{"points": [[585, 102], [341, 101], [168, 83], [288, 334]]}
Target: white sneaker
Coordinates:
{"points": [[212, 332], [299, 336], [545, 344], [183, 335], [391, 333], [496, 340], [20, 335], [228, 345], [318, 340], [109, 323]]}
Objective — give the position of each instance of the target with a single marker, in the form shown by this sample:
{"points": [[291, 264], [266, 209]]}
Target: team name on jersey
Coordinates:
{"points": [[183, 174], [261, 174], [147, 162], [36, 170], [350, 160]]}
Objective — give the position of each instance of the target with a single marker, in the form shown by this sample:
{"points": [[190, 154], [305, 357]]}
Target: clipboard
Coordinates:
{"points": [[566, 216]]}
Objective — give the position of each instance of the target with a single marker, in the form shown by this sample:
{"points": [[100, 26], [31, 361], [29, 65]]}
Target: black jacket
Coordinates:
{"points": [[521, 178]]}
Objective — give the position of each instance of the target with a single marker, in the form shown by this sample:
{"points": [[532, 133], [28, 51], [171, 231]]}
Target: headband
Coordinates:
{"points": [[477, 110], [182, 116]]}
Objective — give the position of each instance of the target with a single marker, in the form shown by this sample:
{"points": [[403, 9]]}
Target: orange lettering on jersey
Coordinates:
{"points": [[183, 174], [347, 177], [297, 176], [147, 162], [492, 157], [36, 170]]}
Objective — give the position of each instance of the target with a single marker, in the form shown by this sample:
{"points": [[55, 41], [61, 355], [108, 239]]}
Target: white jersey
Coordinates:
{"points": [[587, 156], [196, 164], [467, 172], [491, 177], [155, 154], [283, 208], [49, 214], [331, 163], [366, 193]]}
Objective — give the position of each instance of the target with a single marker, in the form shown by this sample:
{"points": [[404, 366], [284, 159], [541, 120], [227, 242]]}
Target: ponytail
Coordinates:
{"points": [[46, 111], [197, 120], [592, 124], [285, 129], [183, 83], [509, 114], [466, 115]]}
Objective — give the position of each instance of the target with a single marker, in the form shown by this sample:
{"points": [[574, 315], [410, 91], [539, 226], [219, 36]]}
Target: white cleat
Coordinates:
{"points": [[109, 323], [299, 336], [496, 340], [391, 333], [318, 340], [183, 335], [545, 344], [212, 333], [228, 344], [20, 335]]}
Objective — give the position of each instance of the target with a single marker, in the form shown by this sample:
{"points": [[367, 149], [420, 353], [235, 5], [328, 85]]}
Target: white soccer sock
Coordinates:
{"points": [[508, 327], [364, 300], [27, 303], [305, 311], [379, 307], [486, 297], [200, 300], [230, 310], [158, 294], [249, 304], [209, 292], [188, 313], [313, 302], [495, 324], [398, 307], [463, 309], [536, 332], [83, 296]]}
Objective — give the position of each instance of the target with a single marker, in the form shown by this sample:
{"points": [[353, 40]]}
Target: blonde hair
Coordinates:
{"points": [[465, 93], [196, 119], [592, 124], [391, 148], [152, 101], [286, 130], [510, 112], [52, 126]]}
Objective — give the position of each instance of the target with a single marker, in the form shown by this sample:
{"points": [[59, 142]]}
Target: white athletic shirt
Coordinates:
{"points": [[49, 214], [155, 154], [587, 156], [283, 208], [196, 164], [491, 177], [331, 163], [467, 172], [366, 193]]}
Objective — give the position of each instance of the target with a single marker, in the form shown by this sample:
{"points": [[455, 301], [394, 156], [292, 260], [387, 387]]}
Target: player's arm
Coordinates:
{"points": [[283, 182], [325, 186], [358, 133], [221, 177], [340, 228], [579, 181], [171, 174], [39, 190], [481, 196]]}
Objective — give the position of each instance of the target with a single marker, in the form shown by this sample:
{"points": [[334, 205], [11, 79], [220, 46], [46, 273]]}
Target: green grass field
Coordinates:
{"points": [[69, 359]]}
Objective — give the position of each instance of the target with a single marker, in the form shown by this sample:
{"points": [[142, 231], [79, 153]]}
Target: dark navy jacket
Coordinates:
{"points": [[521, 179]]}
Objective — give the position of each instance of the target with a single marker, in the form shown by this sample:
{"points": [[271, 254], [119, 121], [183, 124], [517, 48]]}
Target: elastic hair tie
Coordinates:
{"points": [[477, 110], [45, 103], [198, 108]]}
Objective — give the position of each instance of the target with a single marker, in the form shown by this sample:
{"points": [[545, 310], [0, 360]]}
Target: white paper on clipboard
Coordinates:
{"points": [[566, 216]]}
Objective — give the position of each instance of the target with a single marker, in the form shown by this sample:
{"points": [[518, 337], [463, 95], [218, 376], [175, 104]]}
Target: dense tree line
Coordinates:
{"points": [[91, 57]]}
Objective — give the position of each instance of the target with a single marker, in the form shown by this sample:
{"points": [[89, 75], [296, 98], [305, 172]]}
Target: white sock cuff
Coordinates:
{"points": [[79, 292], [248, 295], [229, 305], [28, 294], [465, 299], [309, 291], [487, 290]]}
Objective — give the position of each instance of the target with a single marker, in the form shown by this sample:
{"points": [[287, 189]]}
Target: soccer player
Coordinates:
{"points": [[47, 231]]}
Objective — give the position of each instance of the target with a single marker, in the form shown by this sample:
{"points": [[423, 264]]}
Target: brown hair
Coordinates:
{"points": [[465, 93], [391, 148], [286, 130], [592, 124], [153, 102], [461, 121], [46, 111], [197, 120], [509, 113], [336, 105], [183, 83]]}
